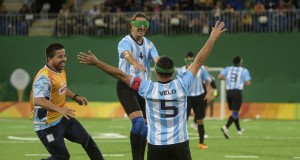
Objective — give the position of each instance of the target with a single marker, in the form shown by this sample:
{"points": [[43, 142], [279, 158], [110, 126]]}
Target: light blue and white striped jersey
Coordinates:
{"points": [[202, 75], [166, 105], [235, 77], [144, 54]]}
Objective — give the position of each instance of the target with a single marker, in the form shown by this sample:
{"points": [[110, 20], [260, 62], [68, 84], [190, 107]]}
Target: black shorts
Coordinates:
{"points": [[53, 137], [198, 104], [234, 99], [180, 151], [130, 99]]}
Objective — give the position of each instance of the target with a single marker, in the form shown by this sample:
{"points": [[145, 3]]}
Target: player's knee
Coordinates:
{"points": [[144, 131], [138, 124], [235, 114]]}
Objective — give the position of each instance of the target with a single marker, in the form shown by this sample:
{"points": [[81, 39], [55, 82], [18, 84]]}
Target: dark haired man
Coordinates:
{"points": [[197, 97], [236, 77], [165, 100], [136, 53], [52, 120]]}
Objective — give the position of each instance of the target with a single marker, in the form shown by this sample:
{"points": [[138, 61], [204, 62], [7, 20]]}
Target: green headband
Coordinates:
{"points": [[162, 70], [188, 61], [139, 24]]}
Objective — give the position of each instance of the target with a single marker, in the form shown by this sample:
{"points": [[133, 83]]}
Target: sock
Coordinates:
{"points": [[143, 148], [237, 124], [138, 145], [201, 133], [230, 121]]}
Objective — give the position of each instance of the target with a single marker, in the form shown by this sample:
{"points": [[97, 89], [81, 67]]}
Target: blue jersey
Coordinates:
{"points": [[235, 77], [197, 88], [143, 54], [166, 105]]}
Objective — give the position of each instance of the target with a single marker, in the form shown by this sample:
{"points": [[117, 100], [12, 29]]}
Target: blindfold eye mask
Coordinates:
{"points": [[139, 24], [189, 61]]}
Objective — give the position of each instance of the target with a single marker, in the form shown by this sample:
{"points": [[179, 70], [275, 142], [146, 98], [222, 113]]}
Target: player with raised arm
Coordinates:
{"points": [[166, 100]]}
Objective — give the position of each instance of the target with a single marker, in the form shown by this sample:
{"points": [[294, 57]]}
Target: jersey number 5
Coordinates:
{"points": [[166, 108]]}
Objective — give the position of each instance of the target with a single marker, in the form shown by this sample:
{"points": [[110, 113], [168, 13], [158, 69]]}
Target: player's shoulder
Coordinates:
{"points": [[148, 41], [186, 74], [42, 71], [125, 39], [246, 69], [182, 68]]}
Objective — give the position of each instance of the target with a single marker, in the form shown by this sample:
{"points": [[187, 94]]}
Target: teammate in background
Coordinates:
{"points": [[213, 93], [197, 97], [52, 120], [236, 77], [166, 100], [136, 53]]}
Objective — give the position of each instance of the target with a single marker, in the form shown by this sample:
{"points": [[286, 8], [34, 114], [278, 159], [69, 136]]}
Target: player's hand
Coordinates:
{"points": [[139, 67], [81, 100], [89, 58], [217, 30], [67, 112], [207, 97]]}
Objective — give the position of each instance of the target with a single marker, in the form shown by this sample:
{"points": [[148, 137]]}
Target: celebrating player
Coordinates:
{"points": [[52, 120], [165, 100], [136, 53]]}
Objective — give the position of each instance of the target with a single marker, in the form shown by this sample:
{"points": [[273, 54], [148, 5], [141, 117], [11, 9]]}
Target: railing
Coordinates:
{"points": [[165, 23]]}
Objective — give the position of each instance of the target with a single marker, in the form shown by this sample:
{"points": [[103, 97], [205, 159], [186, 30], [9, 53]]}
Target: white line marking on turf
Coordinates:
{"points": [[241, 157], [99, 141], [47, 155], [14, 142], [296, 157], [113, 155], [36, 155], [23, 138], [31, 132], [108, 136], [247, 120]]}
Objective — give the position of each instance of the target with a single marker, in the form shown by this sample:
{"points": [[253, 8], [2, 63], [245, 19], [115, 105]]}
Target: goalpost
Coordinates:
{"points": [[221, 90], [220, 87]]}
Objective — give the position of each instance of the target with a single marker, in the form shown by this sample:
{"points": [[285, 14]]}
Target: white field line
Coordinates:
{"points": [[98, 141], [47, 155], [14, 142], [195, 137], [23, 138], [296, 157], [37, 155], [242, 157], [117, 138], [6, 133], [113, 155]]}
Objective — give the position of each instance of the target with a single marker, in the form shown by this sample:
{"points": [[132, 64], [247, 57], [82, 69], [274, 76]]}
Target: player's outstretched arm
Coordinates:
{"points": [[129, 58], [91, 59], [216, 32]]}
